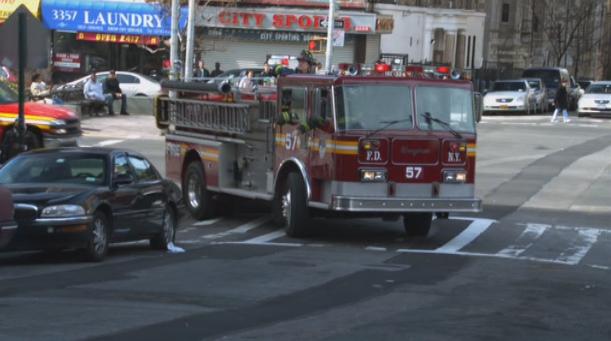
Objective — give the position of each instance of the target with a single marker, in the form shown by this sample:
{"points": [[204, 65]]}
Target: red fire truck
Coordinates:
{"points": [[322, 145]]}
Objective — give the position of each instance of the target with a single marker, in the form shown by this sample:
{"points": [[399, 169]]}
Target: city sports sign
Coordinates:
{"points": [[7, 7], [308, 3], [284, 19], [112, 17]]}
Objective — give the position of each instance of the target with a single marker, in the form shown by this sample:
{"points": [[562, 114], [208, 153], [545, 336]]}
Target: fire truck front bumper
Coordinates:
{"points": [[400, 205]]}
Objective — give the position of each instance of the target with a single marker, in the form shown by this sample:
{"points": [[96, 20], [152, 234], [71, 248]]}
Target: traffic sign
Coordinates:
{"points": [[338, 24]]}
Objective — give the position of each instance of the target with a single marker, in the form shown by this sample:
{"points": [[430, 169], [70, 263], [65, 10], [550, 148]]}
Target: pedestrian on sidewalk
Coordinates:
{"points": [[562, 103], [112, 91]]}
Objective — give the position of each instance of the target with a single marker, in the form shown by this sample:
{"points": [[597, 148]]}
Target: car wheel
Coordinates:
{"points": [[293, 206], [197, 198], [417, 224], [168, 230], [97, 247]]}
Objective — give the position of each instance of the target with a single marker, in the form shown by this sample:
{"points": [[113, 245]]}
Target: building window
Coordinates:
{"points": [[505, 13]]}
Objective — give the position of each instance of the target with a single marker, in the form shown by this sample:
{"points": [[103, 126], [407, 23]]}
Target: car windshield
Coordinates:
{"points": [[534, 84], [372, 107], [445, 108], [551, 78], [7, 95], [509, 86], [82, 169], [599, 89]]}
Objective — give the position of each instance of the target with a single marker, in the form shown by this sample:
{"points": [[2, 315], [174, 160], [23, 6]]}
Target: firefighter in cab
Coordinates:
{"points": [[307, 64]]}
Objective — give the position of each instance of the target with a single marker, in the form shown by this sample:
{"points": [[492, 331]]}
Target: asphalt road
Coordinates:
{"points": [[535, 265]]}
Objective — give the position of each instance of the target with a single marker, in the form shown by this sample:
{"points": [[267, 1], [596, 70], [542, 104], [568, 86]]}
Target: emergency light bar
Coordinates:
{"points": [[409, 71]]}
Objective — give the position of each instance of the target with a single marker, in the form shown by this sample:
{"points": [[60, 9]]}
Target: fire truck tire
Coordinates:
{"points": [[294, 206], [417, 224], [198, 199]]}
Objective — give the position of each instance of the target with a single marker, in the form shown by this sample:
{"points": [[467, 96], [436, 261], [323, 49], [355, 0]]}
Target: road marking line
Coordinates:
{"points": [[375, 248], [207, 222], [487, 255], [108, 143], [260, 244], [580, 246], [240, 229], [266, 237], [476, 228], [525, 240], [600, 267]]}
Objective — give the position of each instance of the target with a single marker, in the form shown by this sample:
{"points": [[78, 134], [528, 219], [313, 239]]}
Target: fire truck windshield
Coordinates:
{"points": [[445, 109], [372, 107]]}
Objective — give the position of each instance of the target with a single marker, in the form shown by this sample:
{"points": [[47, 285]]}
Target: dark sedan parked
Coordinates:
{"points": [[7, 222], [85, 198]]}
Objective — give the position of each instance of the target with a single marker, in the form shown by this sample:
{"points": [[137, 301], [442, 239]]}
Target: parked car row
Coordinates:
{"points": [[534, 92], [85, 198]]}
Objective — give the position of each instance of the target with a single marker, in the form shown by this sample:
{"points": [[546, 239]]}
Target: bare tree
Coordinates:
{"points": [[564, 24]]}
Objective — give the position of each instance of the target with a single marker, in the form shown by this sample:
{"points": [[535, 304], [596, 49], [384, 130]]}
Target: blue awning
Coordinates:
{"points": [[111, 17]]}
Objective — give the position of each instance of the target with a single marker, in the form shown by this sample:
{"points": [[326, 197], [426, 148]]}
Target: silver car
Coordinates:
{"points": [[539, 92], [510, 96]]}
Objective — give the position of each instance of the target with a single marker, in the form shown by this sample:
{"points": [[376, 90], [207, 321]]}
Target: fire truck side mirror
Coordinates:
{"points": [[477, 106]]}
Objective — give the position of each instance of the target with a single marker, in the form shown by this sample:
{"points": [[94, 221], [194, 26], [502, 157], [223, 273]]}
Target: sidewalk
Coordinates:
{"points": [[121, 127]]}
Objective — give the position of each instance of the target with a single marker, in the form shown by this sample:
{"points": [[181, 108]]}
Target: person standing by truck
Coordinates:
{"points": [[561, 102]]}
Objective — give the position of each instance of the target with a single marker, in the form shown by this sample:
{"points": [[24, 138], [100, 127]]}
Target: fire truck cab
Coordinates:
{"points": [[318, 145]]}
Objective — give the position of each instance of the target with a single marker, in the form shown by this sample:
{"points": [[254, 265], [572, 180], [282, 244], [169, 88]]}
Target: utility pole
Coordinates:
{"points": [[174, 58], [330, 27], [190, 42]]}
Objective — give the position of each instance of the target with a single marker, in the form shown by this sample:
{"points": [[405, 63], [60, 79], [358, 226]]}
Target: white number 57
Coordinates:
{"points": [[413, 172]]}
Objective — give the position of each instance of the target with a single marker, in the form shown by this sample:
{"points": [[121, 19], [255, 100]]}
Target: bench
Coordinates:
{"points": [[91, 107]]}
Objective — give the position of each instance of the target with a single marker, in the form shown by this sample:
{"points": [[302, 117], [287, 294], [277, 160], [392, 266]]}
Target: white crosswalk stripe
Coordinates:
{"points": [[525, 240], [529, 245]]}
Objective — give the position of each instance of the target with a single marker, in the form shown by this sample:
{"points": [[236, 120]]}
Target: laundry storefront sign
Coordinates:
{"points": [[108, 17]]}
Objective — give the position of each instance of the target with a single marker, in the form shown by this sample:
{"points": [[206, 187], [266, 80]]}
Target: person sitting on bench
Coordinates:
{"points": [[112, 91], [92, 90]]}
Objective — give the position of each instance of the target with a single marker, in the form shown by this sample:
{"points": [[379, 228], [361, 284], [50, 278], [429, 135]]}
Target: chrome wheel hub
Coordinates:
{"points": [[286, 205], [193, 192], [99, 236]]}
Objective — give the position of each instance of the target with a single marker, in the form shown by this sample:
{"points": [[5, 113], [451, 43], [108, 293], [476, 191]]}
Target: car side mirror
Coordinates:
{"points": [[123, 179]]}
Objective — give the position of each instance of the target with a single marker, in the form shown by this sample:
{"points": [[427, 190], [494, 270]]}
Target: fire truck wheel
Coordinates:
{"points": [[417, 224], [294, 206], [197, 198]]}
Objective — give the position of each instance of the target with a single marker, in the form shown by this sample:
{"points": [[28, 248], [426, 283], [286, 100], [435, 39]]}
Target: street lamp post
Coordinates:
{"points": [[174, 59], [330, 27], [190, 42]]}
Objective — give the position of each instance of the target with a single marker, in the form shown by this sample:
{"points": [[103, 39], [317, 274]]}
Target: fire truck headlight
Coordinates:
{"points": [[455, 176], [373, 175]]}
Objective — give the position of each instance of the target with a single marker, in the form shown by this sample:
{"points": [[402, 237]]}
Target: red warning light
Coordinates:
{"points": [[443, 69]]}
